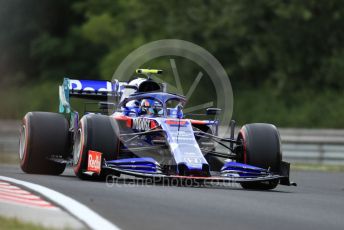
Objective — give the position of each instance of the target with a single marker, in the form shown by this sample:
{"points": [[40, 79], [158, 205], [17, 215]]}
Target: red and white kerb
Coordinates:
{"points": [[13, 194]]}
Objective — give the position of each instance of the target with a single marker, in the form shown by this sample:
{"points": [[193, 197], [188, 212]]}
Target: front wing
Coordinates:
{"points": [[148, 168], [158, 177]]}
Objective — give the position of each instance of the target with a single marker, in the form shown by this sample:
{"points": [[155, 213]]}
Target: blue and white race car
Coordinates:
{"points": [[140, 130]]}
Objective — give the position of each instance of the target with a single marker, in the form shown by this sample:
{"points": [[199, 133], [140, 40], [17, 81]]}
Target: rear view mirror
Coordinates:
{"points": [[213, 111]]}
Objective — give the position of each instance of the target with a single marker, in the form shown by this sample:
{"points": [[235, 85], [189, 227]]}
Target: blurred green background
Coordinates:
{"points": [[285, 58]]}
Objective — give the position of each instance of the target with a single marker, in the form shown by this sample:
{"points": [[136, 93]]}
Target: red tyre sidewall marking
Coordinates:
{"points": [[24, 161], [77, 168], [242, 132]]}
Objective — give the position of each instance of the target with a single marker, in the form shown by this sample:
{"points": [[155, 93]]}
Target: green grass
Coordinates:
{"points": [[13, 224], [302, 109], [9, 158]]}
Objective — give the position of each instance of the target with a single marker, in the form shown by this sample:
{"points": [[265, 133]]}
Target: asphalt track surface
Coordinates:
{"points": [[317, 202]]}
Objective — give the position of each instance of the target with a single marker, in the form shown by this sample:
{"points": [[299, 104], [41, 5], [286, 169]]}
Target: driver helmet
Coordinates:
{"points": [[151, 107]]}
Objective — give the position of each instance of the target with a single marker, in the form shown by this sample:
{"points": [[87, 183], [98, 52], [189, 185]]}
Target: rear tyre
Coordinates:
{"points": [[97, 133], [261, 148], [43, 135]]}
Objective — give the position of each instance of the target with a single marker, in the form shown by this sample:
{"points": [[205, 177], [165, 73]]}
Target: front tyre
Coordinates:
{"points": [[43, 135], [261, 147], [96, 133]]}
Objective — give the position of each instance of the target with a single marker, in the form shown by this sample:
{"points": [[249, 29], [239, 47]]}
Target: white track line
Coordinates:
{"points": [[80, 211]]}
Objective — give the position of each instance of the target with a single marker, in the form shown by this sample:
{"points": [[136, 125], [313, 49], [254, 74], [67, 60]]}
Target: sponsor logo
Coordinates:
{"points": [[142, 124], [94, 161], [193, 160], [190, 153], [91, 86], [176, 123]]}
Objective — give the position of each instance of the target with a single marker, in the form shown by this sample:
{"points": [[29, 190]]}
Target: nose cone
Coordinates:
{"points": [[185, 149]]}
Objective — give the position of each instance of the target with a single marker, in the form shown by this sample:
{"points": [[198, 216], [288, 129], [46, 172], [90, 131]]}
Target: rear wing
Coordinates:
{"points": [[87, 89]]}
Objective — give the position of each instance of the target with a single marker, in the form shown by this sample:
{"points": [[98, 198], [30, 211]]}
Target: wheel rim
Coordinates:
{"points": [[22, 142], [77, 147]]}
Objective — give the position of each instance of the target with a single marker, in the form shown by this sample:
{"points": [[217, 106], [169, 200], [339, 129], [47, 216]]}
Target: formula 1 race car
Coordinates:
{"points": [[140, 130]]}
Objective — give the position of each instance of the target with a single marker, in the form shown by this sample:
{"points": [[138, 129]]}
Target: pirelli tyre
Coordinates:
{"points": [[261, 147], [43, 135], [96, 139]]}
